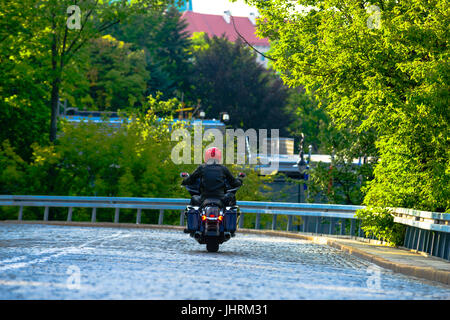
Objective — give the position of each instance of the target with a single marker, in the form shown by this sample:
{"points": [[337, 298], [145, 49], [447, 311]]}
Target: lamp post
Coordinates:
{"points": [[301, 165], [224, 116]]}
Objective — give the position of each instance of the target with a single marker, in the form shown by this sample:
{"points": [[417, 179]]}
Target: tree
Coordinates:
{"points": [[309, 119], [115, 75], [55, 31], [227, 78], [24, 87], [162, 35], [382, 69]]}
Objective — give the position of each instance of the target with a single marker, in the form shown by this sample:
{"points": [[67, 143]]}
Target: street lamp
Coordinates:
{"points": [[202, 114], [225, 116]]}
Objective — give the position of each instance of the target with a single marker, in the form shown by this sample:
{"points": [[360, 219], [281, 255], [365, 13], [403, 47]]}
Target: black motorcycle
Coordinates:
{"points": [[211, 223]]}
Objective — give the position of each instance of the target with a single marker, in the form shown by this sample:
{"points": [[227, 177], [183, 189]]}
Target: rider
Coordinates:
{"points": [[213, 178]]}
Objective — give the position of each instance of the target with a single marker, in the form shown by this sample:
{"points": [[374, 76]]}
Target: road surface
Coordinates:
{"points": [[62, 262]]}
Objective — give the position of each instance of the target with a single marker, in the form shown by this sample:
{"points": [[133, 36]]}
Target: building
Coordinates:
{"points": [[75, 116], [219, 25]]}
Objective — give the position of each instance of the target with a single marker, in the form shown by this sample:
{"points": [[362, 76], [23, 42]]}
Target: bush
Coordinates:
{"points": [[379, 222], [94, 159]]}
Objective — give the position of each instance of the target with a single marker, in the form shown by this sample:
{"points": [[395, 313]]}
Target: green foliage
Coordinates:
{"points": [[310, 119], [161, 34], [385, 86], [379, 222], [342, 182], [116, 77], [40, 59], [24, 86], [227, 78], [92, 159]]}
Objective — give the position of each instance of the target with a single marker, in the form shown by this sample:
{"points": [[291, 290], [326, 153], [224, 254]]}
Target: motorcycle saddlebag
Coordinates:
{"points": [[193, 220], [230, 220]]}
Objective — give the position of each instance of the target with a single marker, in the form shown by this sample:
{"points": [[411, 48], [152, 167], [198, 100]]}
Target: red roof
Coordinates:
{"points": [[215, 25]]}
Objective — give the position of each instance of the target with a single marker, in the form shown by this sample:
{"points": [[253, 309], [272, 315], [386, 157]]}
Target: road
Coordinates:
{"points": [[62, 262]]}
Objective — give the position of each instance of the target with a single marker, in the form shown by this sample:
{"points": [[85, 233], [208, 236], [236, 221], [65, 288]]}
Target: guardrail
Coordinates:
{"points": [[426, 231]]}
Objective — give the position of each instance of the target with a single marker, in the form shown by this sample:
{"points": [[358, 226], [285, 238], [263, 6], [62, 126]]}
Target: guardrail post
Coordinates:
{"points": [[69, 215], [432, 243], [448, 250], [422, 242], [427, 240], [360, 229], [317, 225], [182, 218], [94, 215], [305, 224], [20, 213], [258, 221], [352, 227], [161, 216], [407, 236], [443, 242], [342, 227], [138, 216], [116, 215], [438, 247], [241, 220], [274, 222], [46, 214], [418, 240], [289, 223], [331, 230], [413, 243]]}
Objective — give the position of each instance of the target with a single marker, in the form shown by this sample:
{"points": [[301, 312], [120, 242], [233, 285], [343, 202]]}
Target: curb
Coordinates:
{"points": [[427, 273]]}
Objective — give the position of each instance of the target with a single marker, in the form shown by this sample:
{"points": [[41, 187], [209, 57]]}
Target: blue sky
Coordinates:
{"points": [[238, 8]]}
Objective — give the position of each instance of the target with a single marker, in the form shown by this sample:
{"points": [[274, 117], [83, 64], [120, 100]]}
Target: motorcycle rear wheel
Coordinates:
{"points": [[212, 245]]}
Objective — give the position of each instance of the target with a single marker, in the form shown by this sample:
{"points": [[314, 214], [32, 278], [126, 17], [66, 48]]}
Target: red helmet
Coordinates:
{"points": [[213, 153]]}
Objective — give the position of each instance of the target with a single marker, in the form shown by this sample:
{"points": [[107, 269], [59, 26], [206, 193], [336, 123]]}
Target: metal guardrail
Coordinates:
{"points": [[426, 231], [319, 211]]}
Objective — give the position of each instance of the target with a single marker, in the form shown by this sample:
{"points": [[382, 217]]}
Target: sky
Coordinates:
{"points": [[238, 8]]}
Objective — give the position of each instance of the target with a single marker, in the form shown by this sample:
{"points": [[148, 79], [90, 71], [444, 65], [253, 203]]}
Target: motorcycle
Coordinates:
{"points": [[211, 222]]}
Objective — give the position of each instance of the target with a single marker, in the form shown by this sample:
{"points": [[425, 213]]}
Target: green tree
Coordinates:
{"points": [[24, 85], [115, 75], [227, 78], [310, 119], [382, 75], [94, 159], [45, 33], [162, 35]]}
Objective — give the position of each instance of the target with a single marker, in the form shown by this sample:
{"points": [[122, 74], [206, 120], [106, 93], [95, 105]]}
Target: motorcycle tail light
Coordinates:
{"points": [[212, 215]]}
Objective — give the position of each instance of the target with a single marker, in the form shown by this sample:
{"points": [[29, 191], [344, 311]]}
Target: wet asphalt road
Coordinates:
{"points": [[60, 262]]}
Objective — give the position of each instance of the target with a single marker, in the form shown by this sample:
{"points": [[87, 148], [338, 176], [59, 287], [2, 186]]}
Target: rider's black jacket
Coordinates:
{"points": [[213, 180]]}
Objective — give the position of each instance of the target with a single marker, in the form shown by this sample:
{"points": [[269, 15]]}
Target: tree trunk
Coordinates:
{"points": [[54, 105]]}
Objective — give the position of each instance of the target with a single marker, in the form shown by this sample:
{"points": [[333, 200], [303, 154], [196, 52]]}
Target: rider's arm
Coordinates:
{"points": [[192, 179], [232, 181]]}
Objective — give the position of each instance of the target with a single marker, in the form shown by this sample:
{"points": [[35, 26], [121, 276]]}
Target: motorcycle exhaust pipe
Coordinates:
{"points": [[227, 235], [197, 235]]}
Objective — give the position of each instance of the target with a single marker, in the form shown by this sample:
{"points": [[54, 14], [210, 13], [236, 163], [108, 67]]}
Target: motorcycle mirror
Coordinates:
{"points": [[242, 174], [184, 174]]}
